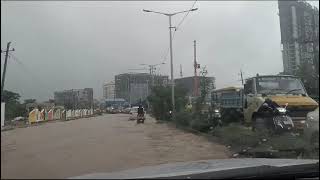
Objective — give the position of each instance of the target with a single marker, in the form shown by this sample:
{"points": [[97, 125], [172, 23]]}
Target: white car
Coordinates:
{"points": [[133, 113], [311, 130]]}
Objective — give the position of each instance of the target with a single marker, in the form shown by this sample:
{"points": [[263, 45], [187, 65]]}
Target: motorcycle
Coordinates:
{"points": [[217, 117], [140, 118], [281, 121]]}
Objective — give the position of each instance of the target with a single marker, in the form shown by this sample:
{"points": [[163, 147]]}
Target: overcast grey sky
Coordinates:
{"points": [[67, 45]]}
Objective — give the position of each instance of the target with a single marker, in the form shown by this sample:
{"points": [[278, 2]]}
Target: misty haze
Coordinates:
{"points": [[96, 89]]}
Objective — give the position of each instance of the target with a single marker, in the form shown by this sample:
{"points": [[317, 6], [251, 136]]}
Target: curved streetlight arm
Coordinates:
{"points": [[152, 64], [145, 10], [171, 14]]}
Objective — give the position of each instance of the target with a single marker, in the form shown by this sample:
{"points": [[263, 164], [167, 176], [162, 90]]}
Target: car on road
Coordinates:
{"points": [[133, 113], [311, 130], [127, 110]]}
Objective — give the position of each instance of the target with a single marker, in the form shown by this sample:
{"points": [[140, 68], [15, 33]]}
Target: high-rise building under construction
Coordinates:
{"points": [[299, 24]]}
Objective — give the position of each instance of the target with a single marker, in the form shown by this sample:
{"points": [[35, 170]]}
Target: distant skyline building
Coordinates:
{"points": [[109, 90], [74, 98], [299, 25], [188, 84], [134, 87]]}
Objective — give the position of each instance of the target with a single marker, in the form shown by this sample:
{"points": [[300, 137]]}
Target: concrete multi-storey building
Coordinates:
{"points": [[188, 84], [299, 24], [109, 90], [135, 87], [74, 98]]}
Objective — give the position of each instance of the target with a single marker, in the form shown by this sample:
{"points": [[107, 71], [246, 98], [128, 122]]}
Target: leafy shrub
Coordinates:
{"points": [[160, 101], [230, 116], [200, 124], [183, 118]]}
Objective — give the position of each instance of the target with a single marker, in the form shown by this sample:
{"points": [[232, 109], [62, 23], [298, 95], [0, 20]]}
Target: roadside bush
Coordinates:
{"points": [[160, 101], [200, 124], [183, 118], [230, 116]]}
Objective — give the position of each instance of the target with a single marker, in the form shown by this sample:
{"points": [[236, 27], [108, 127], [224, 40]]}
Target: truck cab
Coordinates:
{"points": [[284, 90]]}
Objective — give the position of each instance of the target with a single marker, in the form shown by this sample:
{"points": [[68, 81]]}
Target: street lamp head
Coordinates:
{"points": [[194, 9]]}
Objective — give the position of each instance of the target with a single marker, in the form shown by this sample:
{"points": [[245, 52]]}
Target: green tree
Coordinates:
{"points": [[201, 117], [13, 106], [26, 101], [205, 84], [10, 97], [308, 76], [160, 101]]}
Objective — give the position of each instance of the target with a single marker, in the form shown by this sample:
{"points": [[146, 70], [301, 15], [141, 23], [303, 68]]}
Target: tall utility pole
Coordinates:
{"points": [[181, 71], [171, 68], [195, 66], [171, 56], [152, 74], [241, 76], [5, 66], [129, 89]]}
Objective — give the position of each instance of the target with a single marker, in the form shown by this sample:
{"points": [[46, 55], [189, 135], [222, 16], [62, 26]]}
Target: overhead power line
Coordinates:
{"points": [[34, 77], [177, 28], [184, 17]]}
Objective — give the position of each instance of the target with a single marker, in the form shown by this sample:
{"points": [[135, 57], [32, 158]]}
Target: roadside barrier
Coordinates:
{"points": [[33, 116], [36, 116], [57, 114], [50, 115]]}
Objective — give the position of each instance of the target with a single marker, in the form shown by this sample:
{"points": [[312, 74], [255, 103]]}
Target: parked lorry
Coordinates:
{"points": [[269, 101], [230, 103]]}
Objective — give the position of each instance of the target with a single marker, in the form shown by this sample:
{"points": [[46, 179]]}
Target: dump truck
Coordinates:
{"points": [[264, 97]]}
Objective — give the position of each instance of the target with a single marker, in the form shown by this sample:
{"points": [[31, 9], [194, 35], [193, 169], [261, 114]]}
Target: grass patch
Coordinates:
{"points": [[246, 142], [287, 141], [263, 144], [236, 135]]}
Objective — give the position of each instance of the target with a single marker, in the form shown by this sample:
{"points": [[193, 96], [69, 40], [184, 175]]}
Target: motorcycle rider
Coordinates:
{"points": [[140, 110]]}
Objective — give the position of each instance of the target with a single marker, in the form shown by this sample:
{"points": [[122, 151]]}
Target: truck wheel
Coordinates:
{"points": [[258, 124]]}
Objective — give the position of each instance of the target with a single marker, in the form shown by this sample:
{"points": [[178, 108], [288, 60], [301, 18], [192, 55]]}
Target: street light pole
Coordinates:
{"points": [[171, 64], [171, 54]]}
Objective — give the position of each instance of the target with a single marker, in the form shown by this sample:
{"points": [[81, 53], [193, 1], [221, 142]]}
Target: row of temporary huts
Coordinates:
{"points": [[57, 114]]}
